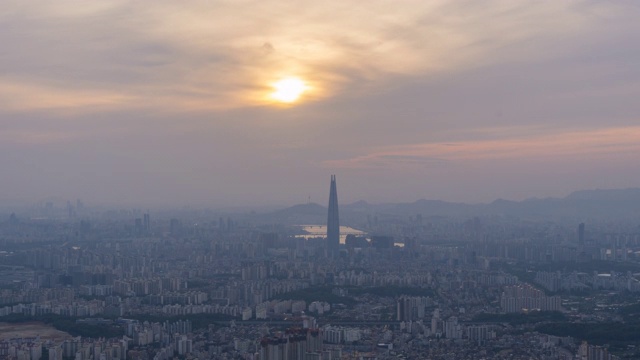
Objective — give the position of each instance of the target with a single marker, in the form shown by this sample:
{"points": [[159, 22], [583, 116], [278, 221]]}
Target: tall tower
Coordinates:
{"points": [[333, 221]]}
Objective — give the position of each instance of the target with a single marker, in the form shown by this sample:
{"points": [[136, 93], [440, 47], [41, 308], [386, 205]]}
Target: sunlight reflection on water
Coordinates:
{"points": [[315, 231]]}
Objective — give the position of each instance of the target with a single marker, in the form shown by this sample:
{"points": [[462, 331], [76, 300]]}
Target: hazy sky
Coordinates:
{"points": [[169, 102]]}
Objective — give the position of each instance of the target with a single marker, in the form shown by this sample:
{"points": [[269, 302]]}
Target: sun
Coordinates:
{"points": [[288, 90]]}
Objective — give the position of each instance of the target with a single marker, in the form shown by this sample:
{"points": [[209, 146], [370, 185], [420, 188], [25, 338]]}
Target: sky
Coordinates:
{"points": [[166, 103]]}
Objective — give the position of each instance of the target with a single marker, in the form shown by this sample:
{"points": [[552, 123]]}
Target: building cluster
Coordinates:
{"points": [[76, 308], [201, 285], [304, 344], [593, 352], [519, 298], [74, 348], [560, 280]]}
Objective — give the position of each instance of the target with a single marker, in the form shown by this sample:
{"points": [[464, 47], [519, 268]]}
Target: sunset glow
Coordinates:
{"points": [[464, 101], [288, 90]]}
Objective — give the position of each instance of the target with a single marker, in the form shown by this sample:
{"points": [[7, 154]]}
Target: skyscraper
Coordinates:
{"points": [[147, 222], [581, 234], [333, 221]]}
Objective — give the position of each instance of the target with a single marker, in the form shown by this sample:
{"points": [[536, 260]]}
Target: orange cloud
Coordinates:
{"points": [[173, 56], [17, 96], [599, 143]]}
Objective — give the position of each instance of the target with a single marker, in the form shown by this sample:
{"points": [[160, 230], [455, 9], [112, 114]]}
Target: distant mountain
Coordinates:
{"points": [[306, 209], [614, 203], [606, 195], [357, 205], [302, 214]]}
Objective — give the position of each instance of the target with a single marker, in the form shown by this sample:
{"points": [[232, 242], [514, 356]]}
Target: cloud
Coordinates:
{"points": [[16, 95], [224, 54], [173, 98], [598, 144]]}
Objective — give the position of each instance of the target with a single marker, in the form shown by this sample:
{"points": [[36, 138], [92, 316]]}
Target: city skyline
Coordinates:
{"points": [[155, 103], [62, 204]]}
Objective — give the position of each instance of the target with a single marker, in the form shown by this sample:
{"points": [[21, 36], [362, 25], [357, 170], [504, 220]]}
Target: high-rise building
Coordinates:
{"points": [[293, 344], [147, 222], [411, 308], [581, 234], [333, 221]]}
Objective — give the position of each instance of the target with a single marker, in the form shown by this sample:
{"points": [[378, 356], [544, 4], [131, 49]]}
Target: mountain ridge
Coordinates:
{"points": [[600, 203]]}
